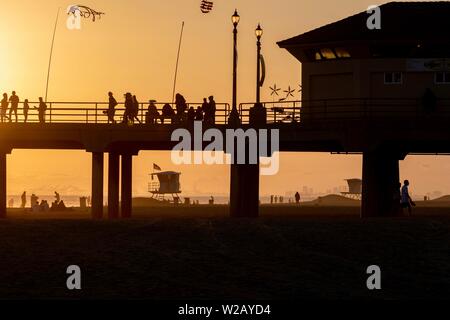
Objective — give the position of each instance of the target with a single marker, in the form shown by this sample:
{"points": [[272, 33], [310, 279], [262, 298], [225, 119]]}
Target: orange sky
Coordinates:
{"points": [[133, 48]]}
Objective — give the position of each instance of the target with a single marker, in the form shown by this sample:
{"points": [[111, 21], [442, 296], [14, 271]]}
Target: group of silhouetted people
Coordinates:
{"points": [[131, 108], [13, 105], [43, 206], [181, 114]]}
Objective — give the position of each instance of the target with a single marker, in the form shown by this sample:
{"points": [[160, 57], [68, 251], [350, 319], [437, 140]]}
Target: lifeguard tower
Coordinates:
{"points": [[354, 189], [168, 184]]}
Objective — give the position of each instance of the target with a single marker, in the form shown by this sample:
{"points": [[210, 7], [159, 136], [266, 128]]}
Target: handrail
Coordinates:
{"points": [[95, 112], [325, 110], [321, 110]]}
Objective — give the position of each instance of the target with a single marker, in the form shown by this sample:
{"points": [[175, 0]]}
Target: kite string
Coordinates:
{"points": [[176, 66]]}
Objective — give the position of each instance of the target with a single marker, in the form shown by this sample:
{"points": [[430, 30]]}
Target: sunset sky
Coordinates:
{"points": [[133, 48]]}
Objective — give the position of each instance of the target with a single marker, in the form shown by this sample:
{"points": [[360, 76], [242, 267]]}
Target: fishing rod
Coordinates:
{"points": [[176, 66]]}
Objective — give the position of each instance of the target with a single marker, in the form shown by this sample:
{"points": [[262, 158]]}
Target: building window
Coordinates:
{"points": [[393, 78], [442, 77], [330, 54], [327, 54], [342, 53]]}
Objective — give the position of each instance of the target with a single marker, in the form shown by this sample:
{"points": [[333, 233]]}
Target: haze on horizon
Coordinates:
{"points": [[133, 48]]}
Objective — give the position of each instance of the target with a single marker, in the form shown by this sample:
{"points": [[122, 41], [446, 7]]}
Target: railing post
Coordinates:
{"points": [[51, 105], [96, 112], [87, 116]]}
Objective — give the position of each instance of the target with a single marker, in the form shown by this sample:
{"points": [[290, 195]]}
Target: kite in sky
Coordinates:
{"points": [[206, 6], [84, 12]]}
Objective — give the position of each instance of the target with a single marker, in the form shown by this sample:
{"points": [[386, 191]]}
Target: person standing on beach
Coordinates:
{"points": [[297, 198], [406, 201], [23, 198]]}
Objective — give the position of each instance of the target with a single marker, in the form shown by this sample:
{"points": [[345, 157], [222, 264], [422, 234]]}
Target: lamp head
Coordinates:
{"points": [[235, 18], [259, 32]]}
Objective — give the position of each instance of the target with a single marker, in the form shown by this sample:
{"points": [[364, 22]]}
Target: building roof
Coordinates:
{"points": [[166, 173], [400, 21]]}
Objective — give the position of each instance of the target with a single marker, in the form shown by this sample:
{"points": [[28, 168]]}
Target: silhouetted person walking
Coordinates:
{"points": [[4, 106], [23, 199], [14, 99], [26, 108], [128, 115], [135, 110], [42, 109], [297, 198], [111, 108], [406, 201]]}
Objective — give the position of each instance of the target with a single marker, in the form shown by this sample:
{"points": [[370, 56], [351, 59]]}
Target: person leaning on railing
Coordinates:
{"points": [[41, 109]]}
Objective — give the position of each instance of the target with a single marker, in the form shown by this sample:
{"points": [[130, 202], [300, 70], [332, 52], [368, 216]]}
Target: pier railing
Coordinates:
{"points": [[96, 112], [277, 112], [349, 109]]}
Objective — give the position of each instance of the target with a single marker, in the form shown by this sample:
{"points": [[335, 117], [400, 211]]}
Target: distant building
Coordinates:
{"points": [[354, 68], [382, 93]]}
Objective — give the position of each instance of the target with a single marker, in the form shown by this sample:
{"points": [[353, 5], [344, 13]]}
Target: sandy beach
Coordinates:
{"points": [[199, 253]]}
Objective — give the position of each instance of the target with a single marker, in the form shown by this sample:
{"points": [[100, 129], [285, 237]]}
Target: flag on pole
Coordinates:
{"points": [[206, 6], [156, 167]]}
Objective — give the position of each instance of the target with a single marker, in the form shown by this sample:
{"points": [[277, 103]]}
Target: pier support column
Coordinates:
{"points": [[244, 191], [127, 182], [97, 185], [381, 179], [2, 185], [244, 186], [113, 185]]}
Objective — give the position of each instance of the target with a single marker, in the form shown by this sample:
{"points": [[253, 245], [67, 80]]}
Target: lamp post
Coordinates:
{"points": [[234, 115], [258, 33]]}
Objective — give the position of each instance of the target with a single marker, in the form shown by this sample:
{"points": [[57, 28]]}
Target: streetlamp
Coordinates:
{"points": [[234, 115], [258, 33]]}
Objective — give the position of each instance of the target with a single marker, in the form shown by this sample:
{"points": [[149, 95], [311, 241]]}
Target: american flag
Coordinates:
{"points": [[206, 6]]}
